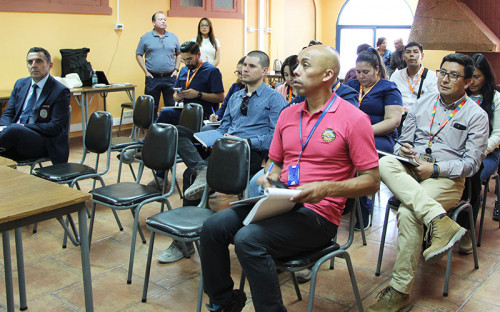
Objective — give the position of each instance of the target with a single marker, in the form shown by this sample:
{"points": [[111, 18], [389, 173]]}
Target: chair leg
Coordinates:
{"points": [[35, 228], [296, 286], [181, 195], [121, 119], [132, 171], [132, 246], [382, 241], [361, 223], [138, 227], [91, 224], [483, 210], [473, 237], [117, 219], [447, 276], [148, 267], [353, 280], [200, 287]]}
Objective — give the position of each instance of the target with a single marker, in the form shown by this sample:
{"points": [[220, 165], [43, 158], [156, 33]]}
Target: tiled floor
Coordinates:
{"points": [[54, 274]]}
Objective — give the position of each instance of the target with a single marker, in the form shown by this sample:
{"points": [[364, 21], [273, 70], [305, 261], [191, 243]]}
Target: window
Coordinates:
{"points": [[57, 6], [363, 21], [206, 8]]}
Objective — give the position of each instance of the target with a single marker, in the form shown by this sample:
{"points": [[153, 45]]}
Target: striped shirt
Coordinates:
{"points": [[459, 148]]}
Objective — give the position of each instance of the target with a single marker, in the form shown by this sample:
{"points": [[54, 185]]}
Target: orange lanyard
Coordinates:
{"points": [[416, 83], [290, 95], [431, 136], [188, 80], [361, 96]]}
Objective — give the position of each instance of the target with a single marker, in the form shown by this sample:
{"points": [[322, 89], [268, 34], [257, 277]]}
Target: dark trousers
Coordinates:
{"points": [[256, 245], [170, 116], [158, 86], [19, 143]]}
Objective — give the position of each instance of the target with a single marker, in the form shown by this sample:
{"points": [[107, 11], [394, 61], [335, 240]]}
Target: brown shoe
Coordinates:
{"points": [[465, 246], [443, 234], [391, 300]]}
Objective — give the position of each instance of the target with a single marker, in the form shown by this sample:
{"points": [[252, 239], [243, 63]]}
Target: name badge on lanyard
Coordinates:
{"points": [[294, 171]]}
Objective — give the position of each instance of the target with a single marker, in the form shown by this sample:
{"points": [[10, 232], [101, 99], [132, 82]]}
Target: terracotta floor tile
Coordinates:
{"points": [[488, 291], [476, 305]]}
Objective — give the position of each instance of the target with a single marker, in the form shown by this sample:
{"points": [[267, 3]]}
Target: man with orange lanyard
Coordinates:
{"points": [[447, 133], [414, 80], [199, 82]]}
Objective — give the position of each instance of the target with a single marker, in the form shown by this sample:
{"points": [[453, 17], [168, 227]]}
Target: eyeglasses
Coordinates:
{"points": [[237, 73], [244, 105], [204, 25], [451, 76]]}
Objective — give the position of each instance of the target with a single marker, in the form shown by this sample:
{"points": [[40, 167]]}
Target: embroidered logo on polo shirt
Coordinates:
{"points": [[328, 135]]}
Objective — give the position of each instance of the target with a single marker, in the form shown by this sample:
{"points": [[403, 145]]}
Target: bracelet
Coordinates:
{"points": [[435, 173]]}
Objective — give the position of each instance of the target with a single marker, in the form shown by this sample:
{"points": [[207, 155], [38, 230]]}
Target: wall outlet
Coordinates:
{"points": [[128, 114], [118, 26]]}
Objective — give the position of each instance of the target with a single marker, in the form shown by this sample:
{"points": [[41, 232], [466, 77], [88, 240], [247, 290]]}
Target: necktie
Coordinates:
{"points": [[29, 106]]}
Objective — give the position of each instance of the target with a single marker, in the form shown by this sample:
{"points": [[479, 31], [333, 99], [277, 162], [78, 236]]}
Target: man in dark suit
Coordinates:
{"points": [[35, 124]]}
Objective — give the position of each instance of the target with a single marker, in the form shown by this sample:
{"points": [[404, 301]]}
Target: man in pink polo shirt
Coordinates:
{"points": [[317, 147]]}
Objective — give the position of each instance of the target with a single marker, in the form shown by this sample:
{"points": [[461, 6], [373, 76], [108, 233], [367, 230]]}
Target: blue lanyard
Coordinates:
{"points": [[315, 126]]}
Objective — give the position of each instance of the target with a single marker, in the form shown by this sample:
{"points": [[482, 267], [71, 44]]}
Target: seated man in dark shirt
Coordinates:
{"points": [[35, 124]]}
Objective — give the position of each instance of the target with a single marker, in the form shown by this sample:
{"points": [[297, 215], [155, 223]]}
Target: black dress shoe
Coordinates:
{"points": [[496, 213]]}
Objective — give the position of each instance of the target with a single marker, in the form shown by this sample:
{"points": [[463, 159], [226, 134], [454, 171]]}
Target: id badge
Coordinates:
{"points": [[427, 158], [294, 175]]}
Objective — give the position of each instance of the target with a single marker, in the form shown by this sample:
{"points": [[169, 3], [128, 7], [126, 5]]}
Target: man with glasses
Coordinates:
{"points": [[160, 49], [251, 114], [447, 134]]}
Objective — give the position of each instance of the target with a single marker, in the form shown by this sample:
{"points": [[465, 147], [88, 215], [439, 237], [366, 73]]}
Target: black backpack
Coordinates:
{"points": [[75, 61]]}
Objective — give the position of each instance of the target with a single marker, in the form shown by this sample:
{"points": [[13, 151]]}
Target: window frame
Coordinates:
{"points": [[100, 7], [208, 9]]}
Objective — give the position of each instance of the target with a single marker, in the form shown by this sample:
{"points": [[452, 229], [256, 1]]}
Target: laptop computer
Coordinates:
{"points": [[101, 78]]}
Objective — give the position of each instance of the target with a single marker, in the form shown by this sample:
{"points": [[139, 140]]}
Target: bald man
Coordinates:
{"points": [[336, 141]]}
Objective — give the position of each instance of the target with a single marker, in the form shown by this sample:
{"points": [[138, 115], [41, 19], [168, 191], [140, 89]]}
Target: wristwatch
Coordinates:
{"points": [[435, 173], [199, 95]]}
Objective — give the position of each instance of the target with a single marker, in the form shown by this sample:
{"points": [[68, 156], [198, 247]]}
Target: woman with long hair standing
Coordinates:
{"points": [[209, 45]]}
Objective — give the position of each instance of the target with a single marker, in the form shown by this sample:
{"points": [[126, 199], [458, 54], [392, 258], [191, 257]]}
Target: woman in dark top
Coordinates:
{"points": [[381, 100]]}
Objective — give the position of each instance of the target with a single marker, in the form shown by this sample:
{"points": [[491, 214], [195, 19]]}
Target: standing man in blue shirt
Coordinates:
{"points": [[251, 114], [200, 82], [160, 49]]}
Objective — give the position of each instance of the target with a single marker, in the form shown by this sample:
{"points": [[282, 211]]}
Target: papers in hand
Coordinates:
{"points": [[211, 123], [275, 201], [207, 138], [404, 159], [2, 127]]}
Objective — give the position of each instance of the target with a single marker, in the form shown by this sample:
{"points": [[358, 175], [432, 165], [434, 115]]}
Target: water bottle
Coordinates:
{"points": [[94, 78]]}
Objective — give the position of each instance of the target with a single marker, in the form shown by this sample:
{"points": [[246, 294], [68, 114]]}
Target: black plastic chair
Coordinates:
{"points": [[483, 204], [231, 156], [158, 153], [464, 204], [98, 141], [128, 106], [143, 116]]}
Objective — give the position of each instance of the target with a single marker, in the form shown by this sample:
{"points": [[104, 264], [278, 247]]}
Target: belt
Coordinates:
{"points": [[160, 75]]}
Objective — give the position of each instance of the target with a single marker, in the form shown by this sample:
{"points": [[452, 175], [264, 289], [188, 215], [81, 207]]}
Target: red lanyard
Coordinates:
{"points": [[431, 136], [188, 80], [361, 96]]}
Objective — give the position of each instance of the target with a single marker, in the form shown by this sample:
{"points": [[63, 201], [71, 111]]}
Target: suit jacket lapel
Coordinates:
{"points": [[19, 105], [45, 92]]}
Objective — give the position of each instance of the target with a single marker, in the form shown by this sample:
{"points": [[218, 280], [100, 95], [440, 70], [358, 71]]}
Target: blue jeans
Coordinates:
{"points": [[158, 86], [256, 245]]}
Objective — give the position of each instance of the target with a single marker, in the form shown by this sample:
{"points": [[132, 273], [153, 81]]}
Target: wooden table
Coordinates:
{"points": [[42, 200], [6, 162], [83, 97]]}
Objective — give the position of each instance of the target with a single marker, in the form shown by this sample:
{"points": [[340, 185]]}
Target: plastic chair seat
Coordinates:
{"points": [[306, 259], [63, 172], [124, 194], [184, 222]]}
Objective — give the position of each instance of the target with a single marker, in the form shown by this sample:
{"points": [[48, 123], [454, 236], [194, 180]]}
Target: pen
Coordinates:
{"points": [[213, 110], [401, 143], [269, 170]]}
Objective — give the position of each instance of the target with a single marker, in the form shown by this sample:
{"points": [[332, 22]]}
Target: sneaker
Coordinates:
{"points": [[367, 223], [443, 234], [391, 300], [393, 203], [128, 157], [174, 252], [236, 305], [496, 213], [465, 246], [195, 191], [303, 276]]}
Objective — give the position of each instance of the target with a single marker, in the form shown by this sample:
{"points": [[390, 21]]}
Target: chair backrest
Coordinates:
{"points": [[229, 166], [143, 114], [99, 132], [192, 116], [160, 147]]}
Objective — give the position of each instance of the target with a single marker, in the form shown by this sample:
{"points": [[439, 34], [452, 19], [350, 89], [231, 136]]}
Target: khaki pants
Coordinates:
{"points": [[420, 203]]}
